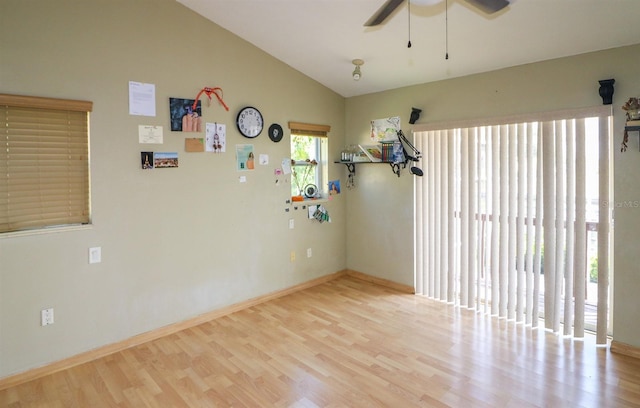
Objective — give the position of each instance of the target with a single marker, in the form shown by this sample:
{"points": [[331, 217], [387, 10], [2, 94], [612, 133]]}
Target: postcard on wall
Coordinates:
{"points": [[286, 166], [385, 129], [311, 210], [165, 159], [373, 152], [245, 157], [334, 187], [183, 117], [146, 160], [216, 137], [194, 144], [150, 134], [142, 99]]}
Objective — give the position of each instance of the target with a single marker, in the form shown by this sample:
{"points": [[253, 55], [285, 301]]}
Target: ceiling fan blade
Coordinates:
{"points": [[383, 12], [490, 6]]}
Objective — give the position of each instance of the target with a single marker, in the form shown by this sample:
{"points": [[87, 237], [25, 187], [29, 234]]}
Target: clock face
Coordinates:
{"points": [[310, 190], [249, 122]]}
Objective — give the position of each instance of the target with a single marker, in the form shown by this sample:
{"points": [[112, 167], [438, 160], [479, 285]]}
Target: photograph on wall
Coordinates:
{"points": [[165, 159], [245, 157], [216, 137], [146, 160], [183, 117], [334, 187], [385, 129]]}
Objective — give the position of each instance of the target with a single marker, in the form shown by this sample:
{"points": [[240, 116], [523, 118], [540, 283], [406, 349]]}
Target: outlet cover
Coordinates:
{"points": [[309, 253], [46, 317], [292, 223]]}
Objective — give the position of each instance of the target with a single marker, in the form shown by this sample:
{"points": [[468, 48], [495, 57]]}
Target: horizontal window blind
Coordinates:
{"points": [[44, 163], [309, 129]]}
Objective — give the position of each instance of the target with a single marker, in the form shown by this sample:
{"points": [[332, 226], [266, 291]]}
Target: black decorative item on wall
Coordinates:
{"points": [[415, 115], [275, 133], [606, 91]]}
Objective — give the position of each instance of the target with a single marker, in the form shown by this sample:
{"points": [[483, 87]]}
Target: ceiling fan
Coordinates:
{"points": [[488, 6]]}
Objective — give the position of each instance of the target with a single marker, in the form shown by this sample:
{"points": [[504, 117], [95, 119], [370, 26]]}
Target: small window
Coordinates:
{"points": [[309, 151], [44, 162]]}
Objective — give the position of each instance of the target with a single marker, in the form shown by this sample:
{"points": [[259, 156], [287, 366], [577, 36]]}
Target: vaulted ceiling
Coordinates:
{"points": [[320, 38]]}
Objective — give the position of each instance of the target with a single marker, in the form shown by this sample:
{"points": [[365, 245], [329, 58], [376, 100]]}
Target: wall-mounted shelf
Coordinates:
{"points": [[351, 166]]}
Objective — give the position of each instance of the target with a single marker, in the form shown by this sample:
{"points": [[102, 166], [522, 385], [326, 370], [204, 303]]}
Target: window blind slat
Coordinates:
{"points": [[580, 262], [465, 218], [570, 226]]}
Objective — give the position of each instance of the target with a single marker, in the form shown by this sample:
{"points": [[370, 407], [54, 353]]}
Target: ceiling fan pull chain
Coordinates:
{"points": [[409, 15], [446, 29]]}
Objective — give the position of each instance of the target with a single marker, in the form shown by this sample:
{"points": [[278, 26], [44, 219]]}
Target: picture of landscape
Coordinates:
{"points": [[164, 159]]}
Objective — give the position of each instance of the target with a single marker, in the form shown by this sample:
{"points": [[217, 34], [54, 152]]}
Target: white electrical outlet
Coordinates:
{"points": [[292, 223], [46, 317], [95, 255], [309, 253]]}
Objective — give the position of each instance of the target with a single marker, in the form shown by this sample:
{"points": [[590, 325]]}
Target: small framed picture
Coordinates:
{"points": [[146, 159], [165, 159], [373, 152]]}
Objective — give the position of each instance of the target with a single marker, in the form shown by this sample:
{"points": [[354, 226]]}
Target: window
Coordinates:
{"points": [[44, 162], [309, 153]]}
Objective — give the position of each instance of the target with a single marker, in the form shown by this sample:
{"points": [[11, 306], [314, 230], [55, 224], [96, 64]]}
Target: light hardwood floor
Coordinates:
{"points": [[346, 343]]}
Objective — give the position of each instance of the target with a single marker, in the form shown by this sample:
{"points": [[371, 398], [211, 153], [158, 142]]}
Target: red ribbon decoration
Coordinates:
{"points": [[209, 91]]}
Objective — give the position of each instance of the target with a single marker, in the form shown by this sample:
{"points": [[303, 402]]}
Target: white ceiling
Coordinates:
{"points": [[320, 38]]}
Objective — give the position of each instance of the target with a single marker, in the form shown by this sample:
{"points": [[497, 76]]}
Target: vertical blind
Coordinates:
{"points": [[44, 162], [502, 217]]}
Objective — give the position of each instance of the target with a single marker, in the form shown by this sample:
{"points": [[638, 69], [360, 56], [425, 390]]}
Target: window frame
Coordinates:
{"points": [[321, 141]]}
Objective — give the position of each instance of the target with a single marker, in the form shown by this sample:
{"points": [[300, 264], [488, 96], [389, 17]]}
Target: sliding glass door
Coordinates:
{"points": [[512, 218]]}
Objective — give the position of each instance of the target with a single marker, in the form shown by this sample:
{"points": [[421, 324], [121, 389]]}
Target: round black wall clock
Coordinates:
{"points": [[249, 122], [275, 132]]}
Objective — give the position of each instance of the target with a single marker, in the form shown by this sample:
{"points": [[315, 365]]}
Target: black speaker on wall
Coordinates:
{"points": [[606, 91], [415, 115]]}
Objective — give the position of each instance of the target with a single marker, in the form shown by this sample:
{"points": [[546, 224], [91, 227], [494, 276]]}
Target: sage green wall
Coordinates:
{"points": [[180, 242], [176, 243], [381, 207]]}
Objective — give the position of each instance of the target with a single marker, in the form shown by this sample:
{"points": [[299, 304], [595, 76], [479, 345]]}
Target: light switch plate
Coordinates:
{"points": [[95, 255]]}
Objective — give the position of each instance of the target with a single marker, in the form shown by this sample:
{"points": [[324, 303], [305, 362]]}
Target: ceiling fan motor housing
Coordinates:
{"points": [[487, 6]]}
